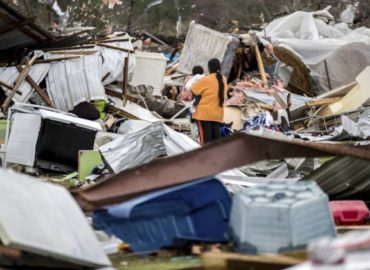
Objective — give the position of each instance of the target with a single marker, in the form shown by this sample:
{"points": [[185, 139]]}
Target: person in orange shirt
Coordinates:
{"points": [[209, 113]]}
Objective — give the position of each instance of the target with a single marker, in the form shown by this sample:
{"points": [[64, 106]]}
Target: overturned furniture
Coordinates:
{"points": [[48, 139]]}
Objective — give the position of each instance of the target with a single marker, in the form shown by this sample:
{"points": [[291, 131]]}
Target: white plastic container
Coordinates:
{"points": [[276, 218]]}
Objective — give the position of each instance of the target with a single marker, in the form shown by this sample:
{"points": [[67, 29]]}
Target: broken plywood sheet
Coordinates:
{"points": [[234, 115], [359, 95], [43, 219], [203, 44]]}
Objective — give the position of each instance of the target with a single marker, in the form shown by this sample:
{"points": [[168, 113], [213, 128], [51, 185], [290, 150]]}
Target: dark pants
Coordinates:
{"points": [[208, 131]]}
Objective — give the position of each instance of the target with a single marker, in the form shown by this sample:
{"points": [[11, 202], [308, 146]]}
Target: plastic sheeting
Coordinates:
{"points": [[345, 51], [135, 148], [113, 60], [37, 73], [71, 82]]}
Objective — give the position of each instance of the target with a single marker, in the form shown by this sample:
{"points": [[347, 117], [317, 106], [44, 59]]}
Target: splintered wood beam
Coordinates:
{"points": [[68, 48], [125, 79], [57, 59], [115, 48], [113, 40], [22, 76], [73, 53], [37, 88], [323, 101]]}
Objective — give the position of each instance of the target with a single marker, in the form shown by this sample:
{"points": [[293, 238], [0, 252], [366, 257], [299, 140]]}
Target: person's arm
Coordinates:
{"points": [[198, 87]]}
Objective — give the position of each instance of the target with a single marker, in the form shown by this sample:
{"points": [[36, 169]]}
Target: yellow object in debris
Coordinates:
{"points": [[359, 95]]}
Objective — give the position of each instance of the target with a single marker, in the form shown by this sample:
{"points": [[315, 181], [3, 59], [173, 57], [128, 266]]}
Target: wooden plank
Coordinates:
{"points": [[57, 59], [115, 48], [226, 261], [354, 99], [6, 85], [73, 53], [322, 101], [68, 48], [261, 67], [113, 40], [125, 78], [344, 229], [37, 88], [22, 76], [121, 112]]}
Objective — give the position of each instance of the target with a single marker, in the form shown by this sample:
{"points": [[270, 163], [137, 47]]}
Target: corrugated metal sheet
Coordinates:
{"points": [[343, 177], [231, 152], [203, 44], [178, 143], [71, 82], [261, 96], [113, 60], [37, 73], [135, 148]]}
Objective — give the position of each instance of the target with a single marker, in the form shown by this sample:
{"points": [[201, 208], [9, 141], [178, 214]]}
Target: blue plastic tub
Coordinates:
{"points": [[197, 211]]}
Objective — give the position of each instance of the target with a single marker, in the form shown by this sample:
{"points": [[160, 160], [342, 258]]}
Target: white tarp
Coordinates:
{"points": [[345, 51]]}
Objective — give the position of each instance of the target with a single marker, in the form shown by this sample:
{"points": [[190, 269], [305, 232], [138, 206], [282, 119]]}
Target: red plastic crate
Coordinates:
{"points": [[350, 212]]}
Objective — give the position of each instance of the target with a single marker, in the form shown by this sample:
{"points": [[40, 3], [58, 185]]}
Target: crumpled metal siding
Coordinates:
{"points": [[113, 61], [203, 44], [37, 73], [343, 177], [135, 148], [71, 82]]}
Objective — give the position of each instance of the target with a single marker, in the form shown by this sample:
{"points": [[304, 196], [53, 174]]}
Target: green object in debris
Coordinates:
{"points": [[70, 176], [3, 127], [87, 161], [100, 106]]}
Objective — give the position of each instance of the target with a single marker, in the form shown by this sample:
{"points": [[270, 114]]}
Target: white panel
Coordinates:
{"points": [[150, 69], [44, 219], [22, 141]]}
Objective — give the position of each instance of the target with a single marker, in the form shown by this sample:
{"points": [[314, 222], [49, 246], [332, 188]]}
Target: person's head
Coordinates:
{"points": [[197, 70], [214, 66]]}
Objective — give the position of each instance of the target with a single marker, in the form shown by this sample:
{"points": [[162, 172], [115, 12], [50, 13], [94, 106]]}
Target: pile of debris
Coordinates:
{"points": [[103, 127]]}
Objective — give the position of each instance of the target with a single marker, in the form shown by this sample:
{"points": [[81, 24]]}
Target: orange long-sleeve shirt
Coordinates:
{"points": [[208, 108]]}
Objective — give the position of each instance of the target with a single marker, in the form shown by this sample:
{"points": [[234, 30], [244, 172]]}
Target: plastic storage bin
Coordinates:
{"points": [[197, 211], [350, 212], [276, 217]]}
